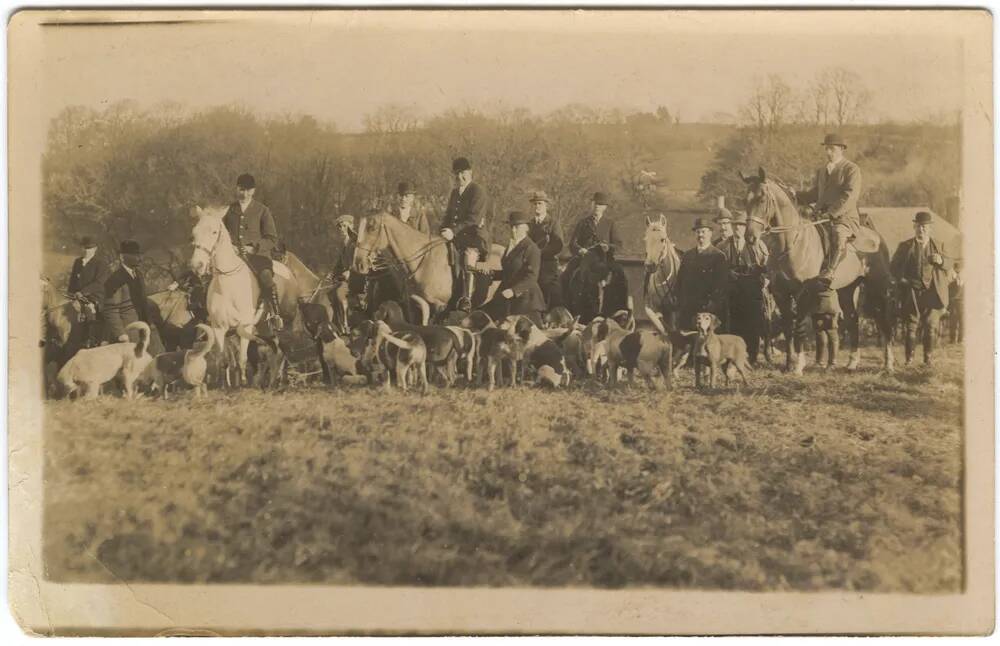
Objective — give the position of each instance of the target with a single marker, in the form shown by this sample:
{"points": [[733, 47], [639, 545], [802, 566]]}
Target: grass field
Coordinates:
{"points": [[829, 481]]}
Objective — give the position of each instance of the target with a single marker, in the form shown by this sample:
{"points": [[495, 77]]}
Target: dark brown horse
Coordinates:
{"points": [[598, 286], [796, 256]]}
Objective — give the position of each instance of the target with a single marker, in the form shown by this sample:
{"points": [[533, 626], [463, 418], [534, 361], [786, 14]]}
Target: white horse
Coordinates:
{"points": [[233, 292]]}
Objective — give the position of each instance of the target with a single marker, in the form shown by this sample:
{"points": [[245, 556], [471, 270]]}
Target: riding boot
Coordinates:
{"points": [[928, 339], [272, 300], [838, 251], [834, 347], [469, 286], [909, 340]]}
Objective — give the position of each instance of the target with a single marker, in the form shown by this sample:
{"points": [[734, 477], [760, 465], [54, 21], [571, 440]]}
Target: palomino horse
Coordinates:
{"points": [[662, 266], [420, 260], [172, 317], [796, 257], [233, 292]]}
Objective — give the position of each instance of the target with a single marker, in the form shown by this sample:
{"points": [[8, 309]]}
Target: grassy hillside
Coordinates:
{"points": [[830, 481]]}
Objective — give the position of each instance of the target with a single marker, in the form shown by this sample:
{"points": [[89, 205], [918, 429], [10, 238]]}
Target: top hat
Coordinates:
{"points": [[404, 188], [87, 242], [833, 139], [600, 198], [539, 196], [245, 181], [460, 164], [923, 217], [701, 223], [131, 247], [518, 217]]}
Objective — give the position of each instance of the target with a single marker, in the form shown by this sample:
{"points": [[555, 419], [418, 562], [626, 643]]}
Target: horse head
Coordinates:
{"points": [[659, 248], [769, 204], [373, 239], [206, 236]]}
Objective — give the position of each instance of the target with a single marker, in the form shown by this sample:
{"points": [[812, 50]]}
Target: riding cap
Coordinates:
{"points": [[725, 215], [740, 218], [923, 217], [833, 139], [131, 247], [539, 196], [701, 223], [245, 181], [404, 188], [87, 242], [600, 198], [460, 164], [518, 217], [345, 219]]}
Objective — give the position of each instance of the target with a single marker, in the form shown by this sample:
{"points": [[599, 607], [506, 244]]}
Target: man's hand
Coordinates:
{"points": [[448, 234], [123, 338], [507, 293], [604, 246], [936, 259], [345, 275], [248, 248], [173, 286]]}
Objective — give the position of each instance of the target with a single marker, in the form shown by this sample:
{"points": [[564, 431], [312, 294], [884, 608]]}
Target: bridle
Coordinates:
{"points": [[210, 252], [378, 262], [659, 286], [767, 228]]}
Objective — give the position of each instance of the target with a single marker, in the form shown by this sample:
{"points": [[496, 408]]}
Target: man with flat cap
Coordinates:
{"points": [[921, 269], [518, 292], [252, 230], [545, 235], [746, 260], [702, 280], [835, 195], [725, 221], [125, 297], [86, 285], [466, 224], [406, 208]]}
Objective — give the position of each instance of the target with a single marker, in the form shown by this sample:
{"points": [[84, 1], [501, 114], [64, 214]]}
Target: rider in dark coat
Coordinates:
{"points": [[746, 262], [702, 278], [86, 284], [544, 233], [467, 221], [518, 292], [252, 230]]}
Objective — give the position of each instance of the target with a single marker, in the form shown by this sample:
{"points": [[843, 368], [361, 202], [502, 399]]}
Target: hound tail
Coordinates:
{"points": [[143, 344], [209, 341], [399, 343], [657, 320]]}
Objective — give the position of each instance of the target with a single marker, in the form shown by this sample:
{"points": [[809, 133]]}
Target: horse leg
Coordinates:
{"points": [[245, 336], [852, 323]]}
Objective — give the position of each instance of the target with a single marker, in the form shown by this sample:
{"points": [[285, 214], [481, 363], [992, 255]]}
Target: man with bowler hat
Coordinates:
{"points": [[252, 230], [86, 285], [406, 208], [835, 195], [920, 266], [518, 292], [746, 261], [702, 278], [125, 298], [466, 224], [545, 235]]}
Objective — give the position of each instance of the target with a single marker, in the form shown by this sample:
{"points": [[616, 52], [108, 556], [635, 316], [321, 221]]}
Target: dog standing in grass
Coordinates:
{"points": [[93, 367], [401, 353], [716, 350], [189, 366]]}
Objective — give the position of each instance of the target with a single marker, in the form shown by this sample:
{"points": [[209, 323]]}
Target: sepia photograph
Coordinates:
{"points": [[501, 321]]}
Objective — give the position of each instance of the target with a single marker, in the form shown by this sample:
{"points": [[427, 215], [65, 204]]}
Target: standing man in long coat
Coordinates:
{"points": [[921, 269], [545, 235], [702, 278], [518, 292], [86, 284], [252, 230], [126, 299], [746, 261], [466, 223], [835, 195]]}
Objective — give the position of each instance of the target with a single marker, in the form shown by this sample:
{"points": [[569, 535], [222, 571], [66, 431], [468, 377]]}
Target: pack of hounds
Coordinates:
{"points": [[466, 349]]}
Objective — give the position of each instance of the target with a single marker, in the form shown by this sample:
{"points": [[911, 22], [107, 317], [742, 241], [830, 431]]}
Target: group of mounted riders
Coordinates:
{"points": [[728, 272]]}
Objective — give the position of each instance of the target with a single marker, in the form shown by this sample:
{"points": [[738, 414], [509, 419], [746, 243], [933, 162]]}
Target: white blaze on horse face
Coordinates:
{"points": [[204, 237]]}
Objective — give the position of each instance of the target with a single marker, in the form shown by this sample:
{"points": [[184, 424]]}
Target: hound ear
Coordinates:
{"points": [[761, 174], [663, 221], [196, 213], [742, 176], [715, 322]]}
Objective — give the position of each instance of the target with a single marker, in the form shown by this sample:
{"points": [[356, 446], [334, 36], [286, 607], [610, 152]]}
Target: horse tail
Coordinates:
{"points": [[143, 344], [209, 340], [425, 308]]}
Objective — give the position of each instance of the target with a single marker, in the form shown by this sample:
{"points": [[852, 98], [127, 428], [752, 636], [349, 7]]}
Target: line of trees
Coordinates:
{"points": [[837, 97]]}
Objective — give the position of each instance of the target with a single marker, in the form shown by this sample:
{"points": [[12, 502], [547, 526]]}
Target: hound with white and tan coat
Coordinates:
{"points": [[93, 367]]}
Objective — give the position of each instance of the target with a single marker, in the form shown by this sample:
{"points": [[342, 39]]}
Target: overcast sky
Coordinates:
{"points": [[340, 66]]}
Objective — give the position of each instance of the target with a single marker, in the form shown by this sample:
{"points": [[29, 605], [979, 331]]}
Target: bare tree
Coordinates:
{"points": [[840, 97], [770, 106], [392, 118]]}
